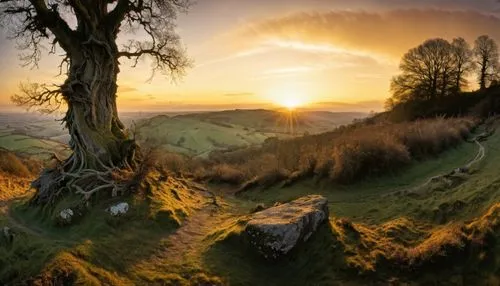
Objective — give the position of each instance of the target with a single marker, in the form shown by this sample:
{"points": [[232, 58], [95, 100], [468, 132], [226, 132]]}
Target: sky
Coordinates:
{"points": [[323, 54]]}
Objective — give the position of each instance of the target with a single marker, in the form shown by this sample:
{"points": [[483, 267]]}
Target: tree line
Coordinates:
{"points": [[439, 68]]}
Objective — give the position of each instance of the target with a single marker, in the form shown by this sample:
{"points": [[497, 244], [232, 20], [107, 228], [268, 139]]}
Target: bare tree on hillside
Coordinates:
{"points": [[487, 57], [427, 71], [86, 33], [463, 60]]}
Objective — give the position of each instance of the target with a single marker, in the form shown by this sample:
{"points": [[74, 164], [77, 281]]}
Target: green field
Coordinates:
{"points": [[28, 145], [194, 137], [200, 133]]}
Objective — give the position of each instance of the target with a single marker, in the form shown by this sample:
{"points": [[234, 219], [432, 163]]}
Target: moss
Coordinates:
{"points": [[170, 200], [66, 269]]}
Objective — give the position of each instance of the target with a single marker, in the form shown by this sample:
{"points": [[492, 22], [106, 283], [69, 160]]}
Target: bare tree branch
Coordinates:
{"points": [[165, 58], [43, 98]]}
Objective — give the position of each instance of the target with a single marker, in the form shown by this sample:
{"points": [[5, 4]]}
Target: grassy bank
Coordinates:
{"points": [[346, 155]]}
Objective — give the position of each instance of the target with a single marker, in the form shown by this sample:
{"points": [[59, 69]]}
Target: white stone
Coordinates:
{"points": [[66, 214], [119, 209], [277, 230]]}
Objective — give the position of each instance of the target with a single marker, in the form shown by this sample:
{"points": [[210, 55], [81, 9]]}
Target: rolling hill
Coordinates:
{"points": [[198, 134]]}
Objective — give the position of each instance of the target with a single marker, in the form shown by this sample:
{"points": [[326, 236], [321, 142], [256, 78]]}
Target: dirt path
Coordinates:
{"points": [[185, 247], [187, 242]]}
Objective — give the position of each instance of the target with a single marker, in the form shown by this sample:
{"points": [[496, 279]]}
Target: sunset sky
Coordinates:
{"points": [[328, 54]]}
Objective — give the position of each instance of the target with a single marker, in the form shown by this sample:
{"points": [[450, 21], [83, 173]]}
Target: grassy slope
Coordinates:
{"points": [[136, 249], [99, 248], [384, 223], [368, 201], [358, 201]]}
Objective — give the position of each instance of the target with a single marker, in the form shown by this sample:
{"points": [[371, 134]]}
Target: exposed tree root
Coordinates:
{"points": [[75, 176]]}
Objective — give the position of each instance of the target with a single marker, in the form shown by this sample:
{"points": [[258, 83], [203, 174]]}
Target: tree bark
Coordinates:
{"points": [[98, 138], [482, 80]]}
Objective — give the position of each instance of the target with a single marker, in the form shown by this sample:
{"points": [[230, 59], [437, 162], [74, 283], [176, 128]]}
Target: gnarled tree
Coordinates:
{"points": [[87, 33]]}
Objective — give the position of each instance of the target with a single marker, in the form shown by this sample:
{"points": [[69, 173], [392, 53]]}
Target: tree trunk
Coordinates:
{"points": [[482, 80], [434, 86], [98, 138], [444, 84], [458, 79], [97, 134]]}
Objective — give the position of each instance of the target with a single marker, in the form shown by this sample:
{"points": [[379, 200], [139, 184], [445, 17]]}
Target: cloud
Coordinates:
{"points": [[369, 105], [239, 94], [125, 89], [140, 98], [375, 34], [290, 70], [480, 5]]}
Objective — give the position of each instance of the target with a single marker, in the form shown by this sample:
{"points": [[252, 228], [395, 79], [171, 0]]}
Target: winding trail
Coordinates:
{"points": [[460, 170], [187, 242], [184, 248], [457, 171]]}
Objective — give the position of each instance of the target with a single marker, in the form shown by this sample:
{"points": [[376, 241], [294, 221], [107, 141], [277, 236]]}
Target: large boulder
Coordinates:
{"points": [[277, 230]]}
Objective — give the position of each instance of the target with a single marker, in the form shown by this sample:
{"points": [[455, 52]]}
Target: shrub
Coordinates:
{"points": [[13, 165], [225, 173], [367, 156], [344, 155]]}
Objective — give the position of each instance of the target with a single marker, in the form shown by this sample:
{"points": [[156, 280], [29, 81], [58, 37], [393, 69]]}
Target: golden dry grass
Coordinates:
{"points": [[345, 155]]}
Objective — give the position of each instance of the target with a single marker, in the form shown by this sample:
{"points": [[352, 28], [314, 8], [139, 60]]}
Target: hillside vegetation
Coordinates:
{"points": [[391, 229], [198, 134], [345, 155]]}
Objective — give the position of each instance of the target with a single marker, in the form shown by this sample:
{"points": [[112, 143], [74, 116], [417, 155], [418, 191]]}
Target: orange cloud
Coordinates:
{"points": [[384, 34]]}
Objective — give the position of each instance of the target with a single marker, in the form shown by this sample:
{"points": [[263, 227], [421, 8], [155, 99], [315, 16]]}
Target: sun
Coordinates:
{"points": [[289, 97], [291, 102]]}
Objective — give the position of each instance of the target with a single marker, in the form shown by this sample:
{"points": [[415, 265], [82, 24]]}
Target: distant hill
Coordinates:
{"points": [[199, 133], [33, 135], [194, 134]]}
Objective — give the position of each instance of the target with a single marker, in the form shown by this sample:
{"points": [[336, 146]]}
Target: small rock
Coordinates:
{"points": [[277, 230], [65, 216], [119, 209]]}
